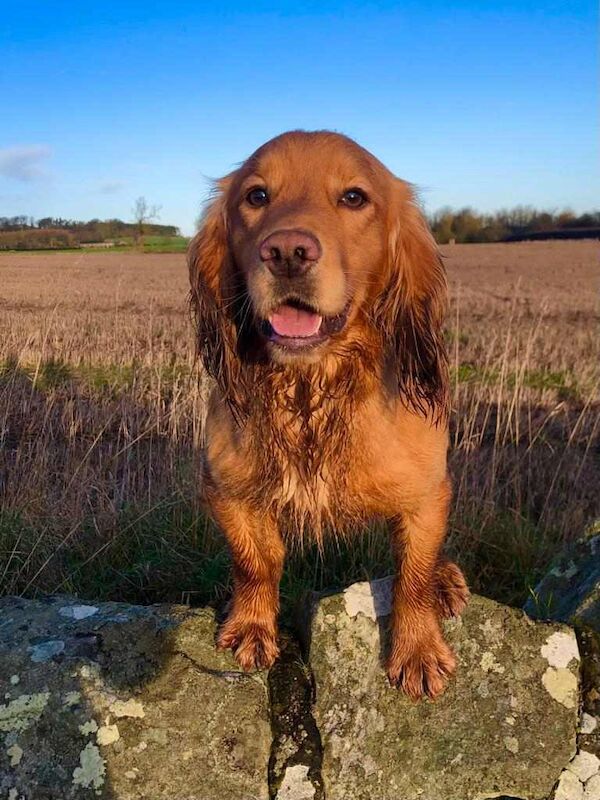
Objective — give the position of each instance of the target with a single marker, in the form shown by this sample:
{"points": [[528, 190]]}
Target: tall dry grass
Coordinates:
{"points": [[101, 410]]}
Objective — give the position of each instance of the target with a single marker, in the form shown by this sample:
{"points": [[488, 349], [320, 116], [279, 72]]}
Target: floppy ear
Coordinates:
{"points": [[411, 308], [210, 269]]}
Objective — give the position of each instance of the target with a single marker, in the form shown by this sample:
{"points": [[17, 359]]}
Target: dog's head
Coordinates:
{"points": [[310, 245]]}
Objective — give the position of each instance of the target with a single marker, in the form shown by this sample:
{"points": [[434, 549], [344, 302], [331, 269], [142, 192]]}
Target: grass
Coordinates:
{"points": [[150, 244], [564, 382], [165, 244], [54, 373], [101, 423]]}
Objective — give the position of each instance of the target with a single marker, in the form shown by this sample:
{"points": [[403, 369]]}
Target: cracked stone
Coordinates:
{"points": [[379, 744], [569, 787], [588, 723], [592, 788], [584, 765], [296, 784], [134, 712], [137, 697]]}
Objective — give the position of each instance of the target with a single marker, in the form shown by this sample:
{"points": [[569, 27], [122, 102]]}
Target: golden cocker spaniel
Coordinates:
{"points": [[318, 295]]}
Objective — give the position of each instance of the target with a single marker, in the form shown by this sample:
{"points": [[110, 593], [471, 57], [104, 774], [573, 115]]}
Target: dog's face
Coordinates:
{"points": [[312, 244], [307, 231]]}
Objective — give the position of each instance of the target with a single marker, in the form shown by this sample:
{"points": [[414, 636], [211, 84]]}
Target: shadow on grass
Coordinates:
{"points": [[98, 496]]}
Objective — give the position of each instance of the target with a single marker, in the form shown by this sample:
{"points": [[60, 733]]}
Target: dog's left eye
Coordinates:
{"points": [[257, 197], [354, 198]]}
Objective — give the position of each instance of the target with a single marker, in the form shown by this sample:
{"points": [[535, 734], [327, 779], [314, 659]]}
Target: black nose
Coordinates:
{"points": [[290, 252]]}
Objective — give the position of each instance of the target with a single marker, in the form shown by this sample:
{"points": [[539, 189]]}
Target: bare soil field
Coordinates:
{"points": [[101, 415]]}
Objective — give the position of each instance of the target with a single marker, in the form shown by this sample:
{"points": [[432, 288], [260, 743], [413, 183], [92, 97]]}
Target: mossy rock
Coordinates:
{"points": [[506, 725], [570, 591], [118, 701]]}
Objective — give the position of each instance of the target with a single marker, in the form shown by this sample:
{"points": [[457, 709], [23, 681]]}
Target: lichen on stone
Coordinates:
{"points": [[107, 734], [358, 599], [371, 599], [296, 784], [560, 649], [15, 753], [91, 726], [561, 685], [495, 733], [91, 769], [23, 711], [128, 708], [489, 663], [72, 699], [157, 735]]}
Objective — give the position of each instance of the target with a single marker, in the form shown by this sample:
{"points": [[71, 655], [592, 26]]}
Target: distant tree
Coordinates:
{"points": [[441, 225], [565, 218], [466, 225], [142, 214]]}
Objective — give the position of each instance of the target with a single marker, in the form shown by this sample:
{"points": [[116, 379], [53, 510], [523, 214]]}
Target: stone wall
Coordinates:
{"points": [[133, 703]]}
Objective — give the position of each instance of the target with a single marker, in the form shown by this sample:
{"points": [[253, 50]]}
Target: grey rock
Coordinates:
{"points": [[570, 591], [135, 703], [506, 726], [589, 731]]}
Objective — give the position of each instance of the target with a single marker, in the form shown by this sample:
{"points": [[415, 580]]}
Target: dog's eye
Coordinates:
{"points": [[257, 197], [354, 198]]}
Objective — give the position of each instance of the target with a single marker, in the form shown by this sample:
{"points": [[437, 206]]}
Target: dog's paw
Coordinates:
{"points": [[254, 645], [451, 590], [421, 666]]}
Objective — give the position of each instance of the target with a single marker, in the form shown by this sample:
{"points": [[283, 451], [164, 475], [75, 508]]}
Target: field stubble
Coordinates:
{"points": [[101, 415]]}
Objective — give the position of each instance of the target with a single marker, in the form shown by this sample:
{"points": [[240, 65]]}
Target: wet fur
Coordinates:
{"points": [[297, 449]]}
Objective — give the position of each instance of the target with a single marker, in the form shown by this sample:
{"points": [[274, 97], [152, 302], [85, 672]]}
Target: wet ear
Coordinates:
{"points": [[209, 269], [411, 308]]}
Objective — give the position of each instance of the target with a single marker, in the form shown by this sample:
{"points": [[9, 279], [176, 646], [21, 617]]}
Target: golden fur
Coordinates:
{"points": [[299, 441]]}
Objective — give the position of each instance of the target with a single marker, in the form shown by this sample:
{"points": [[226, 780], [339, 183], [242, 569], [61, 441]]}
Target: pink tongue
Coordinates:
{"points": [[288, 321]]}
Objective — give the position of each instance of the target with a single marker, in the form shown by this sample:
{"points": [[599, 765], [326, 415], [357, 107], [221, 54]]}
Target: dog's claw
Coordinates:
{"points": [[253, 644], [421, 668], [452, 592]]}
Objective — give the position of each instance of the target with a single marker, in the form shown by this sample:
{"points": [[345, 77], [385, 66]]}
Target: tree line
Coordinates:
{"points": [[447, 224], [26, 233], [522, 222], [105, 228]]}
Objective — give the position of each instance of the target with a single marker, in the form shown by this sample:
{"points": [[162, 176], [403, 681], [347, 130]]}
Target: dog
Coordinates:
{"points": [[318, 296]]}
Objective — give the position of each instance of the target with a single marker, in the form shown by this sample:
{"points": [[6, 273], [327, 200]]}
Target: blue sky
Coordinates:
{"points": [[488, 104]]}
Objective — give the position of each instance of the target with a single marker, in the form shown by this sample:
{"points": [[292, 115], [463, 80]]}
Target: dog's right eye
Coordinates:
{"points": [[354, 198], [257, 197]]}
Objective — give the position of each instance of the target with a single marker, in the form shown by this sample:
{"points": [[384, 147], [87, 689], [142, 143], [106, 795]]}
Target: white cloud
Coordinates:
{"points": [[24, 162], [111, 187]]}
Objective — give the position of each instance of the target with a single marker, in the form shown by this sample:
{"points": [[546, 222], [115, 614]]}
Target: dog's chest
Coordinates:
{"points": [[307, 457]]}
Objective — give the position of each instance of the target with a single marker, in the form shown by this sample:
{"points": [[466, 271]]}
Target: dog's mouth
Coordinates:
{"points": [[295, 325]]}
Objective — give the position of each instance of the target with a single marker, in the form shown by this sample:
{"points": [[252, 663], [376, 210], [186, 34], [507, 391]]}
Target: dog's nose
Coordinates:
{"points": [[290, 252]]}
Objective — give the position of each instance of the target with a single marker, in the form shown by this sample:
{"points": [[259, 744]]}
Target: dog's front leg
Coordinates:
{"points": [[420, 661], [258, 553]]}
